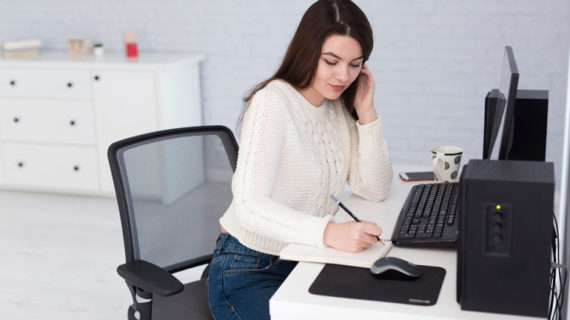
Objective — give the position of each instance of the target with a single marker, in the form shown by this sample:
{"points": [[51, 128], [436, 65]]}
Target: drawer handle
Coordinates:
{"points": [[72, 122], [16, 120], [96, 77], [70, 84], [76, 168], [20, 164], [13, 83]]}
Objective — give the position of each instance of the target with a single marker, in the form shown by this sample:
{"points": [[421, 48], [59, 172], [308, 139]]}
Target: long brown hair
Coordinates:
{"points": [[322, 19]]}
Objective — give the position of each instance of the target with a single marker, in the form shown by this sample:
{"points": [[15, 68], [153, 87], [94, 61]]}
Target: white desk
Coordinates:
{"points": [[293, 300]]}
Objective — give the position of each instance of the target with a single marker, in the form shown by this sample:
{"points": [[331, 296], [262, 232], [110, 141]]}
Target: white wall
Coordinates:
{"points": [[434, 60]]}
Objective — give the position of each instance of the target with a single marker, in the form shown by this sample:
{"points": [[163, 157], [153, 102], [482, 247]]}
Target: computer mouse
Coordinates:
{"points": [[394, 265]]}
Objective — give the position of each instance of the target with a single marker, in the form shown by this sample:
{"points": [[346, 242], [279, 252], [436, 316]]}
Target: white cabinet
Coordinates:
{"points": [[42, 166], [47, 83], [58, 115], [68, 122], [125, 105]]}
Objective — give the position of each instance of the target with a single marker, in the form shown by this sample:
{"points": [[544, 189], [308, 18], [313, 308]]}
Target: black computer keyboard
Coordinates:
{"points": [[429, 217]]}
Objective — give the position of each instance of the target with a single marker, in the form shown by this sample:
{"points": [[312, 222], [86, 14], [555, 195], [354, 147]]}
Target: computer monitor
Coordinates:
{"points": [[494, 111], [499, 111]]}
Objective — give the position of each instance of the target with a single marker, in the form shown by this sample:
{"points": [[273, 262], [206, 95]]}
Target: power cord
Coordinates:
{"points": [[558, 277]]}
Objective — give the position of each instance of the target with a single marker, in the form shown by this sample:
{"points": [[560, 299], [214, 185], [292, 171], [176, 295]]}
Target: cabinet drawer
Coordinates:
{"points": [[43, 166], [60, 121], [45, 83]]}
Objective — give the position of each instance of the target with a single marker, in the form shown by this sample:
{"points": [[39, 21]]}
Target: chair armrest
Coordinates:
{"points": [[150, 277]]}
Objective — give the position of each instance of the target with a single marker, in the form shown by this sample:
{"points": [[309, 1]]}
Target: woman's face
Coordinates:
{"points": [[339, 65]]}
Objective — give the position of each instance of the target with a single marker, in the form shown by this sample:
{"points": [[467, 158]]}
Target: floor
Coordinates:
{"points": [[58, 256]]}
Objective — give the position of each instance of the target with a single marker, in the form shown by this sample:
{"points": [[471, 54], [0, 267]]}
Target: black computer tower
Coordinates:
{"points": [[506, 230], [530, 124]]}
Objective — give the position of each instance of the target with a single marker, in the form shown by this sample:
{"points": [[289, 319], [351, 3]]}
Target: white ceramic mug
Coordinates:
{"points": [[446, 163]]}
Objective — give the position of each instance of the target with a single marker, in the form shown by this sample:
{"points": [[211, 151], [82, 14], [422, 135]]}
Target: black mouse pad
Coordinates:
{"points": [[358, 283]]}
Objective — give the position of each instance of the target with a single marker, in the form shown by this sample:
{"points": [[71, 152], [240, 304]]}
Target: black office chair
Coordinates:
{"points": [[172, 186]]}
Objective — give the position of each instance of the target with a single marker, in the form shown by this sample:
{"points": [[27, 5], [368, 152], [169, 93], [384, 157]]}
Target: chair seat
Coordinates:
{"points": [[192, 303]]}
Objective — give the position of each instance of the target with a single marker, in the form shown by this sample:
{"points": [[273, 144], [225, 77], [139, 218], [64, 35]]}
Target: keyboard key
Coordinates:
{"points": [[451, 219], [418, 213], [417, 196], [455, 198], [406, 236], [423, 235]]}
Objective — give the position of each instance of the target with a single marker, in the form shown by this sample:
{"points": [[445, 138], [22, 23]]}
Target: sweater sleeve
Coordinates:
{"points": [[370, 173], [263, 138]]}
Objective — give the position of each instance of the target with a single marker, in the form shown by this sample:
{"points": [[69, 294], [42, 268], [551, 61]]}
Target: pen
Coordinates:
{"points": [[340, 204]]}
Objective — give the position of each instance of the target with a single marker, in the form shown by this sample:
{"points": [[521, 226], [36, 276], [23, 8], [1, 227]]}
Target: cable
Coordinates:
{"points": [[553, 295], [558, 272], [561, 268], [560, 300]]}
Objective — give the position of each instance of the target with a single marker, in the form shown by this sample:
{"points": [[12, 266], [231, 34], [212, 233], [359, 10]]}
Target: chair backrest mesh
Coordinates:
{"points": [[177, 189]]}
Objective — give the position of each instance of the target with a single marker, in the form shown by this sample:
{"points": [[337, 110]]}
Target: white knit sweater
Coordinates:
{"points": [[292, 157]]}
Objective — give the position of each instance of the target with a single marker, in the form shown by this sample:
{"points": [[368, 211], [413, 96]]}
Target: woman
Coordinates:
{"points": [[306, 131]]}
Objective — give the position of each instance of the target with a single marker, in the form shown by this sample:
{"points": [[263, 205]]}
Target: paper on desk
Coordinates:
{"points": [[363, 259]]}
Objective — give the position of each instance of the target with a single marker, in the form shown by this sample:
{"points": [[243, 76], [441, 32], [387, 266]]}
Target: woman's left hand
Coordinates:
{"points": [[364, 100]]}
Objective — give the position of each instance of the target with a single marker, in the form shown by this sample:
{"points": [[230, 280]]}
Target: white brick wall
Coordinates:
{"points": [[434, 60]]}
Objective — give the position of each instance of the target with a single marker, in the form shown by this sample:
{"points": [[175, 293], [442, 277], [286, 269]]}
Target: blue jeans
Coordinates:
{"points": [[241, 280]]}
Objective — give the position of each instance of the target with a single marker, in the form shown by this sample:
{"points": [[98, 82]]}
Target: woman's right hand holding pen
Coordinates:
{"points": [[351, 236]]}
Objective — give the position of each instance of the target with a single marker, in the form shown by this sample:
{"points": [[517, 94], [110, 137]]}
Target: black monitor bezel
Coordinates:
{"points": [[508, 122]]}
